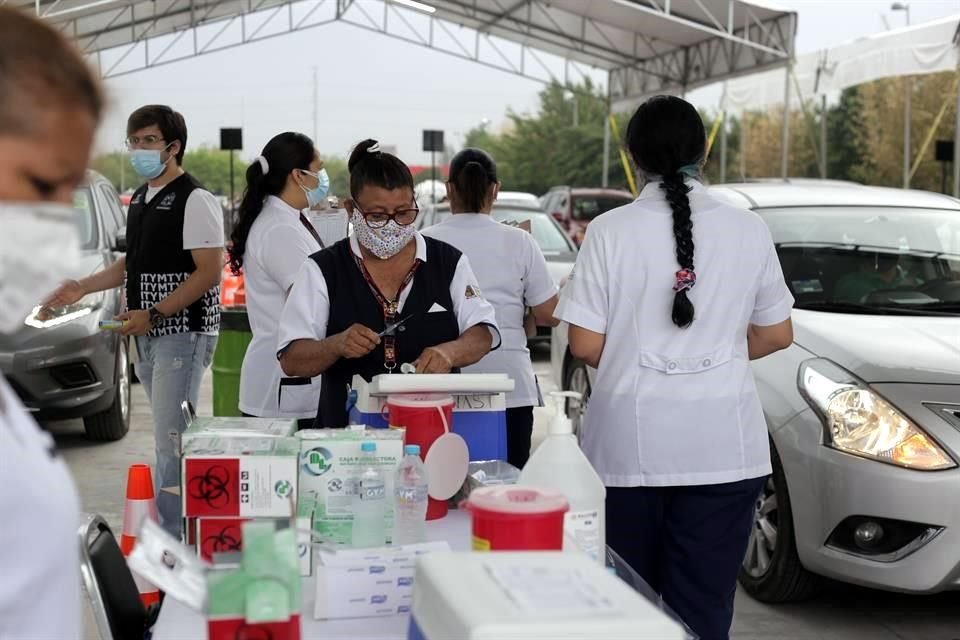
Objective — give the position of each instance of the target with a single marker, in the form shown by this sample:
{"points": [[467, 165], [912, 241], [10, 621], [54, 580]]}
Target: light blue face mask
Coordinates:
{"points": [[317, 195], [148, 163]]}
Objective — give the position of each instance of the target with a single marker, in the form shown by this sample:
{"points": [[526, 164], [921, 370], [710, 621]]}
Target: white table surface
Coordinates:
{"points": [[177, 622]]}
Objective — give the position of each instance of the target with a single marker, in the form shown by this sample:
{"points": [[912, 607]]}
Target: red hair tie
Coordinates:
{"points": [[686, 278]]}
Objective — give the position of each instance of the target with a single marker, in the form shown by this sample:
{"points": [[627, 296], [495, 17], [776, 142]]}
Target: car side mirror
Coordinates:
{"points": [[120, 242]]}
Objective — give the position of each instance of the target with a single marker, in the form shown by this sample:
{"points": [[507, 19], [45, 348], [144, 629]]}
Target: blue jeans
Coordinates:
{"points": [[171, 369]]}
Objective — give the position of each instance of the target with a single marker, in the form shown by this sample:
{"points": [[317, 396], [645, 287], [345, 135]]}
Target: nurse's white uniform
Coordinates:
{"points": [[277, 247], [675, 406], [39, 553], [513, 274]]}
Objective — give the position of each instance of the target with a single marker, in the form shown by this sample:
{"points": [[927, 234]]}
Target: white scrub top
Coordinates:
{"points": [[277, 247], [39, 551], [513, 275], [307, 309], [675, 406]]}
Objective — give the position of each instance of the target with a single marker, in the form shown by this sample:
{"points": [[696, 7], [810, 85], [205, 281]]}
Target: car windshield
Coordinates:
{"points": [[589, 207], [86, 217], [545, 231], [870, 259]]}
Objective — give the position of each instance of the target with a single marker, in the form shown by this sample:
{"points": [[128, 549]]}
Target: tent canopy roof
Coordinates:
{"points": [[646, 46]]}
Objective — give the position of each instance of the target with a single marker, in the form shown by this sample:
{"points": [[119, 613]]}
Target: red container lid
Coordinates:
{"points": [[420, 400], [518, 500]]}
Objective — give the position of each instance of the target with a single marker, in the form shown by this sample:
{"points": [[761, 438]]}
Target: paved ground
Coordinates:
{"points": [[840, 612]]}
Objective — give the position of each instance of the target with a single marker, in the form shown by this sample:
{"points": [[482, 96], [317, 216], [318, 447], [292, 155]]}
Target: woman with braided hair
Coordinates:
{"points": [[671, 297]]}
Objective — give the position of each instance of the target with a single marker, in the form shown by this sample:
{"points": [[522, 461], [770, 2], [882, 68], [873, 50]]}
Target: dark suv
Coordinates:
{"points": [[575, 207], [60, 363]]}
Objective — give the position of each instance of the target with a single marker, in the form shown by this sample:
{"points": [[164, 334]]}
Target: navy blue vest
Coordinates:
{"points": [[352, 301]]}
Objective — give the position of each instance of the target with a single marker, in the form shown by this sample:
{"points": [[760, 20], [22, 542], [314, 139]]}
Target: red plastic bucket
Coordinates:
{"points": [[510, 518], [426, 417]]}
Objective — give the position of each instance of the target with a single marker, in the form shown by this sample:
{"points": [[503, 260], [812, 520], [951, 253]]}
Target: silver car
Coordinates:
{"points": [[60, 363], [863, 409]]}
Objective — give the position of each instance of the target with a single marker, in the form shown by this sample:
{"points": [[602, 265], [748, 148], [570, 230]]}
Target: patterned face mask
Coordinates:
{"points": [[384, 242]]}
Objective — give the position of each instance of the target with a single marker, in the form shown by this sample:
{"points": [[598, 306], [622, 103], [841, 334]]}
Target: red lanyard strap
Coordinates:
{"points": [[313, 232], [389, 308]]}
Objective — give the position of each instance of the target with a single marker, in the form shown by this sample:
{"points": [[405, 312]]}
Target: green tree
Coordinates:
{"points": [[339, 176], [537, 152]]}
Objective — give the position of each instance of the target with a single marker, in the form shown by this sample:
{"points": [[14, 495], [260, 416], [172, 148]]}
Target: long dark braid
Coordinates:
{"points": [[667, 139], [676, 193]]}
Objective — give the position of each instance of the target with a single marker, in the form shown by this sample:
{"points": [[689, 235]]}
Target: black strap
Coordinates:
{"points": [[389, 308], [313, 232]]}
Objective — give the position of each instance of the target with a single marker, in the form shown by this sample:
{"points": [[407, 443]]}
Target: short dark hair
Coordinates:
{"points": [[472, 171], [38, 64], [170, 122], [369, 166]]}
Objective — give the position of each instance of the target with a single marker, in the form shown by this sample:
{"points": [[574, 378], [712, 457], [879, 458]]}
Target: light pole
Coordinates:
{"points": [[570, 95], [907, 150]]}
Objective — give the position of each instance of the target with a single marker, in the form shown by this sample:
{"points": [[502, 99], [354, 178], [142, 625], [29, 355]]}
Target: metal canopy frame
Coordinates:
{"points": [[645, 46]]}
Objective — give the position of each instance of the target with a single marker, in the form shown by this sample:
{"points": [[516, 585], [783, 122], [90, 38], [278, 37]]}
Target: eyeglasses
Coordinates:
{"points": [[379, 219], [133, 142]]}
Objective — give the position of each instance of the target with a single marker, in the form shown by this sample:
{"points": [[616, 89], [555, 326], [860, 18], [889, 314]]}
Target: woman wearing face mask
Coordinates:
{"points": [[513, 273], [271, 241], [383, 297], [50, 104]]}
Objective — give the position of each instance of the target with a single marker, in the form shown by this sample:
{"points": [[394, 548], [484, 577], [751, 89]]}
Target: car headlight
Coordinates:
{"points": [[859, 421], [45, 317]]}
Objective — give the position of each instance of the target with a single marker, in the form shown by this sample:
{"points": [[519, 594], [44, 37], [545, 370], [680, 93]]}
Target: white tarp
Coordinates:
{"points": [[921, 49]]}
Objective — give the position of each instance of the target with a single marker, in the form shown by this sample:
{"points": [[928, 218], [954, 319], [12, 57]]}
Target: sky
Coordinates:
{"points": [[374, 86]]}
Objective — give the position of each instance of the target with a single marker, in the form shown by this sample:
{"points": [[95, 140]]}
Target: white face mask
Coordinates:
{"points": [[384, 242], [39, 248]]}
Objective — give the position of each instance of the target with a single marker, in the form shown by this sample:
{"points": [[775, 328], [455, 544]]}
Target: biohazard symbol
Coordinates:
{"points": [[247, 632], [227, 539], [211, 487]]}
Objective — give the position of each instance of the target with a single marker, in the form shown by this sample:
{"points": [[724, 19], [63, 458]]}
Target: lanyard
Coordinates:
{"points": [[313, 232], [389, 308]]}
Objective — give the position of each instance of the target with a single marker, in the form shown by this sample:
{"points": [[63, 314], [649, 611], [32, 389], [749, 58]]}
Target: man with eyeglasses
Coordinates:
{"points": [[174, 257]]}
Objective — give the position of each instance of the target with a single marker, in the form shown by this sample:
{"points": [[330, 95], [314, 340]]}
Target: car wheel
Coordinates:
{"points": [[114, 422], [771, 571], [577, 380]]}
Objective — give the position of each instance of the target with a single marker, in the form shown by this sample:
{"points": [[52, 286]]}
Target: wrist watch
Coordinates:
{"points": [[156, 317]]}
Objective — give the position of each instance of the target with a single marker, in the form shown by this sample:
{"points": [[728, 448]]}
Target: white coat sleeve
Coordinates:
{"points": [[284, 251], [584, 299], [538, 285], [307, 309], [774, 302], [469, 305]]}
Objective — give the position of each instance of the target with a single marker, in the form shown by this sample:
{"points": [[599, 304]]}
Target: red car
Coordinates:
{"points": [[575, 207]]}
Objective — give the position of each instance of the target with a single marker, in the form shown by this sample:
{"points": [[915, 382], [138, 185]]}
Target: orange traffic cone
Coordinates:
{"points": [[140, 505]]}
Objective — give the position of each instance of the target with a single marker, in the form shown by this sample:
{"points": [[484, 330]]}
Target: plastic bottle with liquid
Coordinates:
{"points": [[410, 495], [559, 463], [369, 502]]}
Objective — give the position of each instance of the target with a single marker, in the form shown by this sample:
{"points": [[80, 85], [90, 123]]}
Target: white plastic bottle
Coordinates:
{"points": [[410, 495], [558, 463], [369, 502]]}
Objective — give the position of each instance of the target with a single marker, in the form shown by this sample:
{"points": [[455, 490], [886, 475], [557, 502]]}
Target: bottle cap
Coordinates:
{"points": [[411, 450], [368, 447]]}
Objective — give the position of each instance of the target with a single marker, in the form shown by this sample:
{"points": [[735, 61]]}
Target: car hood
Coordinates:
{"points": [[27, 337], [913, 349]]}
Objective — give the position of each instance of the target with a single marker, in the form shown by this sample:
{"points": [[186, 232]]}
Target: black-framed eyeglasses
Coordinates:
{"points": [[379, 219], [132, 142]]}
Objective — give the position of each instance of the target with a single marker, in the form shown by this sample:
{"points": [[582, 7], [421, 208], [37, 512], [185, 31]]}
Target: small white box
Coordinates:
{"points": [[368, 583]]}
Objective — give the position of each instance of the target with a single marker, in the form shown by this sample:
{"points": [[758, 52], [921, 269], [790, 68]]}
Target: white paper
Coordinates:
{"points": [[553, 591]]}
